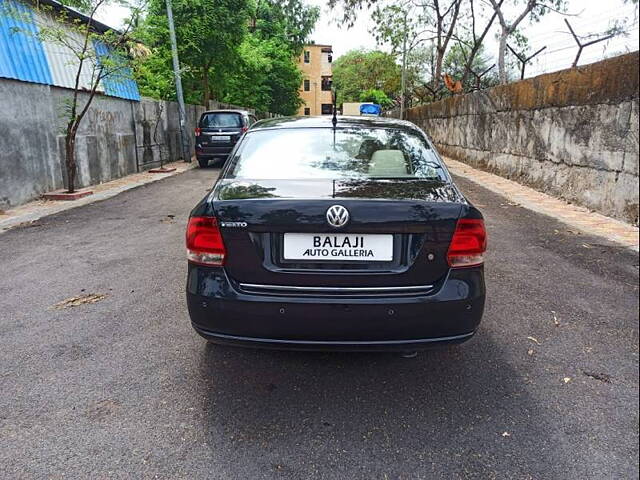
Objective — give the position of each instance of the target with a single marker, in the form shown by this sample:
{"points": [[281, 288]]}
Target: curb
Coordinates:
{"points": [[33, 211]]}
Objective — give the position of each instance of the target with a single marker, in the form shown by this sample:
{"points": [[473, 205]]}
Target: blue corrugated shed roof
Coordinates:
{"points": [[120, 83], [23, 56]]}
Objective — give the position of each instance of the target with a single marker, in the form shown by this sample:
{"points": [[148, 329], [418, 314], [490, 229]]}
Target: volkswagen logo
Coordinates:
{"points": [[337, 216]]}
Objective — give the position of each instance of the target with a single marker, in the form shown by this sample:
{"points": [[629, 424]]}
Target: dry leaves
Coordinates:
{"points": [[603, 377], [79, 300]]}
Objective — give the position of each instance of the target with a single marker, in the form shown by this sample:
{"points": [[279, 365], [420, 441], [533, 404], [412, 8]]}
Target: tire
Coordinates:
{"points": [[203, 162], [219, 162]]}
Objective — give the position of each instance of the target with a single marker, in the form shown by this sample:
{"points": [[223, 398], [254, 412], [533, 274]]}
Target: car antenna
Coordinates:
{"points": [[334, 119]]}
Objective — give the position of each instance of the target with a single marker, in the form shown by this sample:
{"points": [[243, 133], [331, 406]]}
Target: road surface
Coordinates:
{"points": [[123, 388]]}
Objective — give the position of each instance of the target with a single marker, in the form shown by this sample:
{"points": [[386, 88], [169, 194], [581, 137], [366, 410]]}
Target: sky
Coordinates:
{"points": [[587, 16]]}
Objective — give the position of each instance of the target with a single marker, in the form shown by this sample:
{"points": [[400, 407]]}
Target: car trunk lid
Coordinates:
{"points": [[255, 216]]}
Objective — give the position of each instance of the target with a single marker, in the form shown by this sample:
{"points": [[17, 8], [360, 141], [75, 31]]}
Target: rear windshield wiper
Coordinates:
{"points": [[410, 178]]}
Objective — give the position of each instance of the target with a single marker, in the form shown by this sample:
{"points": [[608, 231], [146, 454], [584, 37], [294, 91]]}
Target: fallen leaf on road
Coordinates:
{"points": [[603, 377], [31, 224], [79, 300], [533, 339], [556, 322], [566, 379], [530, 352], [102, 409]]}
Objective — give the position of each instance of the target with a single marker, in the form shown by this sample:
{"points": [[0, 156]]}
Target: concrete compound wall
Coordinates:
{"points": [[117, 137], [573, 134]]}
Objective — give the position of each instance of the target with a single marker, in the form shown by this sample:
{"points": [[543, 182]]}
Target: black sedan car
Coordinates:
{"points": [[335, 237]]}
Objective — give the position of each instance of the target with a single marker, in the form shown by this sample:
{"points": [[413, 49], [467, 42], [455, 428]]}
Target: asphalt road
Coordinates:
{"points": [[123, 388]]}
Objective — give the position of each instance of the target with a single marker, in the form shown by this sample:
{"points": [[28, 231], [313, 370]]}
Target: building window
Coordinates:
{"points": [[307, 86], [326, 84], [327, 109], [307, 111], [330, 58], [307, 56]]}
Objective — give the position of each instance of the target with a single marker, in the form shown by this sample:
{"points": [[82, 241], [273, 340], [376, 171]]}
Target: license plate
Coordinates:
{"points": [[338, 246], [220, 138]]}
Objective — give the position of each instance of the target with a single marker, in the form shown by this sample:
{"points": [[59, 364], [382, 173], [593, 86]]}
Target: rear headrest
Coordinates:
{"points": [[368, 147], [388, 163]]}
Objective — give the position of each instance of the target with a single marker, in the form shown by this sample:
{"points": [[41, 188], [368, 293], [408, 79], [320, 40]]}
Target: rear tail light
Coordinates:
{"points": [[468, 244], [244, 129], [197, 132], [204, 242]]}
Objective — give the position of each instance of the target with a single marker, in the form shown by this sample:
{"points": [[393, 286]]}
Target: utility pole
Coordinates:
{"points": [[186, 150], [403, 77]]}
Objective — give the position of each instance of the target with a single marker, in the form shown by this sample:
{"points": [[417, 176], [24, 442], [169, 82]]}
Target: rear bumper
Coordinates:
{"points": [[220, 311], [214, 152], [344, 346]]}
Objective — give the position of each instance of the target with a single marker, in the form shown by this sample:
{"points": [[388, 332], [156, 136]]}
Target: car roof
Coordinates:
{"points": [[243, 112], [326, 121]]}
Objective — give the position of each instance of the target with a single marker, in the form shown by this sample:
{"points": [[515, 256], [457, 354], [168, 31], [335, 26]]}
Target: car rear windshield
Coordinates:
{"points": [[302, 153], [221, 120]]}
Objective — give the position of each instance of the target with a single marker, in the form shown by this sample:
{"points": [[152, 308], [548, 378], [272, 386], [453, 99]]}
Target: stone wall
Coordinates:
{"points": [[573, 133], [117, 137]]}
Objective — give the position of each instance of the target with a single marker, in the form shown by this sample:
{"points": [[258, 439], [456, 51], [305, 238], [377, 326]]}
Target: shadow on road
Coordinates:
{"points": [[460, 409]]}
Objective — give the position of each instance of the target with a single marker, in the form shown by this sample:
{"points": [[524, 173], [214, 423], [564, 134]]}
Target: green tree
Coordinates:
{"points": [[456, 64], [242, 52], [290, 20], [406, 24], [357, 71], [209, 35], [267, 78], [376, 96]]}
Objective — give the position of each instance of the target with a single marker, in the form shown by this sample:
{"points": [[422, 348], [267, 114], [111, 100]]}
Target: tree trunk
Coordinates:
{"points": [[70, 158], [469, 64], [502, 68], [437, 77], [206, 92]]}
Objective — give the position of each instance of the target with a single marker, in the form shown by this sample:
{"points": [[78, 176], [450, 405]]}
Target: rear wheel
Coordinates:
{"points": [[203, 162], [219, 162]]}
